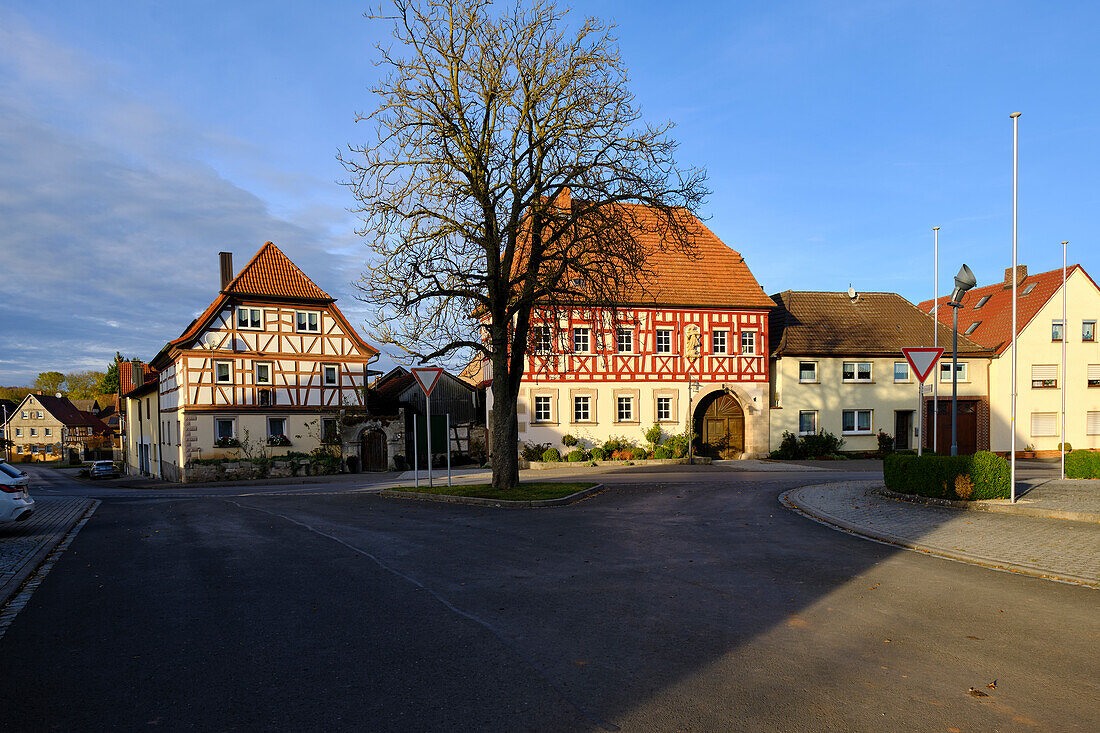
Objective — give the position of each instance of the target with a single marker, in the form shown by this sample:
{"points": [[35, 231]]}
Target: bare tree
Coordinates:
{"points": [[510, 174]]}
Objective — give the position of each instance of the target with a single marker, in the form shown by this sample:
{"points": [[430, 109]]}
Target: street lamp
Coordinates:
{"points": [[964, 281]]}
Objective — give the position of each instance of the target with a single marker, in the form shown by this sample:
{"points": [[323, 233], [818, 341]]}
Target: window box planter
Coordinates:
{"points": [[227, 443], [278, 441]]}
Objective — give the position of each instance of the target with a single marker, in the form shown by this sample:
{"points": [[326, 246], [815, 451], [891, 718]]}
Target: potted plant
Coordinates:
{"points": [[1028, 452]]}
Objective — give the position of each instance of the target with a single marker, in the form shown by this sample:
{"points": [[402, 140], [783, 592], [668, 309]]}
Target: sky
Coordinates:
{"points": [[137, 140]]}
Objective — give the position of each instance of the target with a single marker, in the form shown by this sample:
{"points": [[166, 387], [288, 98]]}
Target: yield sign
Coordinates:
{"points": [[922, 359], [427, 377]]}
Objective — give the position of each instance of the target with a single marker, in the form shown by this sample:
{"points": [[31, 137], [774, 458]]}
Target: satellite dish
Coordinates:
{"points": [[851, 292], [212, 340], [58, 395]]}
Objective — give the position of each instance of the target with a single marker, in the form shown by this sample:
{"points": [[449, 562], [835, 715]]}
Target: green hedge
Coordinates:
{"points": [[936, 476], [1083, 464]]}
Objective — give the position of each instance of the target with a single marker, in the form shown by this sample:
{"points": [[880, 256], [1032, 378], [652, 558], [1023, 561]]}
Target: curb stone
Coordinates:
{"points": [[499, 503], [886, 538], [985, 505]]}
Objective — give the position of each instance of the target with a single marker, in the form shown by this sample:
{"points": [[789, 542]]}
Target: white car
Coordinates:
{"points": [[15, 503]]}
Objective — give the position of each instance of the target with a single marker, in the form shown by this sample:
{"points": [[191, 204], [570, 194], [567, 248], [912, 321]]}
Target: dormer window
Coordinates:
{"points": [[307, 322], [250, 318]]}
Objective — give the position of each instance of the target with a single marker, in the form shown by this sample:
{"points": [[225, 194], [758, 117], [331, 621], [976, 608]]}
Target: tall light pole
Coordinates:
{"points": [[1012, 425], [1065, 336], [964, 281], [935, 337]]}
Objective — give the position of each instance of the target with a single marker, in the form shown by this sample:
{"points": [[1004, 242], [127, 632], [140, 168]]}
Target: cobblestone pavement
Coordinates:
{"points": [[1080, 495], [1048, 548], [24, 544]]}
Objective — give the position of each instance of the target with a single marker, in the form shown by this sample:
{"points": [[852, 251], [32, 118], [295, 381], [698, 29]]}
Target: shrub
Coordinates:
{"points": [[823, 443], [1068, 447], [615, 443], [662, 452], [568, 440], [551, 455], [577, 456], [623, 454], [533, 451], [982, 475], [789, 447], [654, 434], [1082, 464], [677, 445], [639, 453], [885, 442], [598, 454]]}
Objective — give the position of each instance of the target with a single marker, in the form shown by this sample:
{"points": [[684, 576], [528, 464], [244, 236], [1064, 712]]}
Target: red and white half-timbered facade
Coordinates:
{"points": [[269, 362], [695, 355]]}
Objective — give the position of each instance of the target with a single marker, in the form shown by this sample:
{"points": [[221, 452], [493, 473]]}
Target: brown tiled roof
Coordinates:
{"points": [[271, 273], [994, 318], [65, 412], [126, 381], [833, 324]]}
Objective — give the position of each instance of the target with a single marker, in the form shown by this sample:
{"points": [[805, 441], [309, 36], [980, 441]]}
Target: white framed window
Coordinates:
{"points": [[263, 372], [807, 422], [543, 408], [40, 415], [856, 422], [307, 321], [542, 340], [250, 318], [276, 426], [223, 372], [971, 328], [47, 432], [807, 371], [1044, 376], [23, 414], [1088, 330], [624, 340], [664, 341], [330, 430], [1044, 424], [718, 341], [664, 408], [901, 371], [1092, 423], [748, 343], [1057, 330], [624, 408], [331, 374], [856, 371], [224, 428], [1092, 375], [945, 371], [582, 411], [34, 432], [19, 432], [19, 450], [580, 339]]}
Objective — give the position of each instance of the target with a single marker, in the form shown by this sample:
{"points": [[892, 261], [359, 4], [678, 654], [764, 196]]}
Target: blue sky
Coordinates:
{"points": [[138, 139]]}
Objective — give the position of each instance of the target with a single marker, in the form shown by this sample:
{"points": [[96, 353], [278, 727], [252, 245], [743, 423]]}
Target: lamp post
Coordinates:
{"points": [[1012, 424], [935, 337], [964, 281], [1065, 336]]}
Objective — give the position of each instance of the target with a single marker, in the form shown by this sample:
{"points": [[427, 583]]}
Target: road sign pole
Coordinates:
{"points": [[416, 456], [428, 410], [920, 417], [448, 444]]}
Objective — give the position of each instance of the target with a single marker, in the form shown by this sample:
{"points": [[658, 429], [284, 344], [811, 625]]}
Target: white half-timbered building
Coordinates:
{"points": [[270, 363]]}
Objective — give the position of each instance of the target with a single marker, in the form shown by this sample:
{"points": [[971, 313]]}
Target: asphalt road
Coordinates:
{"points": [[675, 600]]}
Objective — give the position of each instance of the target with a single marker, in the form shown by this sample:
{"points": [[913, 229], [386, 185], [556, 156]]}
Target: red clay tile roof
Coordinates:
{"points": [[126, 381], [832, 324], [271, 273], [994, 318]]}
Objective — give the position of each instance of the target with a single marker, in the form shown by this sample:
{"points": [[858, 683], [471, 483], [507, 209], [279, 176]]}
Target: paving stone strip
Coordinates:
{"points": [[1047, 548], [23, 545]]}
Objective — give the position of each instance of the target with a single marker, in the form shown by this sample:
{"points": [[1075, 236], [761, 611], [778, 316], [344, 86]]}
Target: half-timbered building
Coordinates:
{"points": [[269, 365], [689, 350]]}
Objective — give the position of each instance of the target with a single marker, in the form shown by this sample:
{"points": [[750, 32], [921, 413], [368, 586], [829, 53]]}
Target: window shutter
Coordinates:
{"points": [[1092, 423], [1094, 371], [1044, 423], [1044, 371]]}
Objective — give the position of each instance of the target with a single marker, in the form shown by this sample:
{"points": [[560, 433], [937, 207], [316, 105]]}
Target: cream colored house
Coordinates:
{"points": [[47, 427], [986, 316], [837, 366], [269, 367]]}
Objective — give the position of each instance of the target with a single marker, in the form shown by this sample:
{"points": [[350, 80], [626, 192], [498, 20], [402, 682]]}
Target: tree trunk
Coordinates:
{"points": [[504, 429]]}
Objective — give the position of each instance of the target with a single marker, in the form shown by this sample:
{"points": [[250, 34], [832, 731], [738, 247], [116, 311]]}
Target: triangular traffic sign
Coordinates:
{"points": [[922, 360], [427, 377]]}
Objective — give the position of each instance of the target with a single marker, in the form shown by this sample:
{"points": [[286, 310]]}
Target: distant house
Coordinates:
{"points": [[986, 317], [271, 364], [837, 366], [50, 427]]}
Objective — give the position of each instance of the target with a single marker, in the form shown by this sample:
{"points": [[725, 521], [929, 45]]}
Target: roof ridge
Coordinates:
{"points": [[280, 259]]}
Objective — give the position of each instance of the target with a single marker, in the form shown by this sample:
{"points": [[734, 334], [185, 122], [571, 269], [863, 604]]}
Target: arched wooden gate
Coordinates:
{"points": [[721, 427], [372, 450]]}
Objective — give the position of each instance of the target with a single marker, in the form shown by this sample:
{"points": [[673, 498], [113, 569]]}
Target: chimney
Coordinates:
{"points": [[1021, 275], [138, 370], [225, 259]]}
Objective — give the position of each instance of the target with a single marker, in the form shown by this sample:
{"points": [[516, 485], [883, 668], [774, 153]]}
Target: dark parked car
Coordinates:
{"points": [[103, 469]]}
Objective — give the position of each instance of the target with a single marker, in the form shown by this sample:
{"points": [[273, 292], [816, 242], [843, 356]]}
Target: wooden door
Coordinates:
{"points": [[903, 426], [724, 428], [966, 426], [372, 450]]}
